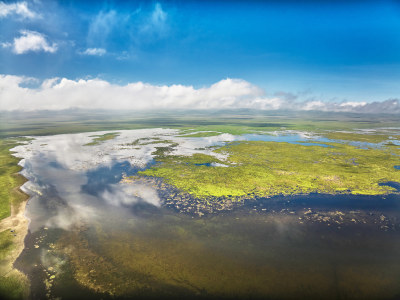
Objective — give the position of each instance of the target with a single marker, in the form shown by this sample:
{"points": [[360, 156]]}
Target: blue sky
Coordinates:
{"points": [[322, 50]]}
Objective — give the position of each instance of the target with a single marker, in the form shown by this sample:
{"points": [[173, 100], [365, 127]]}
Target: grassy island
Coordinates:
{"points": [[101, 138], [273, 168]]}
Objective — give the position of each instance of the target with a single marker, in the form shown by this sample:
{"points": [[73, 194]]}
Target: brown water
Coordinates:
{"points": [[258, 251]]}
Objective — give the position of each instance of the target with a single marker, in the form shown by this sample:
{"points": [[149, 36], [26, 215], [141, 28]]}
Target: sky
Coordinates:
{"points": [[328, 55]]}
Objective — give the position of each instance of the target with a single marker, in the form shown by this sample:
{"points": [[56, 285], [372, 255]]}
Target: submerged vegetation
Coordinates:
{"points": [[148, 251], [266, 169], [241, 255]]}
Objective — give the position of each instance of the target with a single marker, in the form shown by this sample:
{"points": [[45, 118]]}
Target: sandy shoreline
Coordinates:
{"points": [[19, 223]]}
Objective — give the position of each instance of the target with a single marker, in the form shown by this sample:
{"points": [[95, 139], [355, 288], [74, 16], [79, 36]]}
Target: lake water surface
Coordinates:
{"points": [[92, 236]]}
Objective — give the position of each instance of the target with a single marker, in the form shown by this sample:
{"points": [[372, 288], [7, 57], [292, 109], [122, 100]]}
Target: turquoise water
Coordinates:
{"points": [[288, 138], [312, 140]]}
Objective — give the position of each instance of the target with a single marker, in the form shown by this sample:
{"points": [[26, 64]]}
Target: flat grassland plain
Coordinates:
{"points": [[355, 155]]}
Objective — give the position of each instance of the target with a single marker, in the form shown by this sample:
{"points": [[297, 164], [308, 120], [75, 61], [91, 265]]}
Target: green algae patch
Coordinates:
{"points": [[271, 168], [101, 138]]}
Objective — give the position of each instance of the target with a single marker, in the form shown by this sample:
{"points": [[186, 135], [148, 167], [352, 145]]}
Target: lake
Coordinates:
{"points": [[94, 236]]}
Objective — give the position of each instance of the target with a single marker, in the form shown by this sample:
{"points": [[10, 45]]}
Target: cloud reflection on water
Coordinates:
{"points": [[72, 181], [130, 194], [61, 167]]}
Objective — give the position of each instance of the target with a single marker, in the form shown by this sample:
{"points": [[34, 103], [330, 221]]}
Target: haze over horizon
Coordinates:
{"points": [[325, 55]]}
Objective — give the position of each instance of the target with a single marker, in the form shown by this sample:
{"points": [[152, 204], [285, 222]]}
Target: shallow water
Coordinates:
{"points": [[295, 138], [307, 139], [99, 236], [250, 252]]}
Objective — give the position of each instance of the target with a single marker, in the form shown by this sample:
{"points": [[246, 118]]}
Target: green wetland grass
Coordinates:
{"points": [[224, 121], [10, 180], [101, 138], [267, 169], [227, 255], [12, 286], [353, 136]]}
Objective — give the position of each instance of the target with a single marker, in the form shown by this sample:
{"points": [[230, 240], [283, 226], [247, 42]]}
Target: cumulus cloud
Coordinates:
{"points": [[94, 51], [62, 93], [32, 41], [19, 8]]}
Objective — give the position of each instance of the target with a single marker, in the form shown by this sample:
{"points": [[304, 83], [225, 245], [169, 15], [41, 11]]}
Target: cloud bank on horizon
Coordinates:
{"points": [[63, 93], [333, 50]]}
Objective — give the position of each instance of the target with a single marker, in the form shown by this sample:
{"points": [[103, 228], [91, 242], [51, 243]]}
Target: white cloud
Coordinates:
{"points": [[136, 27], [101, 26], [32, 41], [94, 51], [158, 16], [58, 94], [353, 104], [156, 23], [6, 45], [19, 8]]}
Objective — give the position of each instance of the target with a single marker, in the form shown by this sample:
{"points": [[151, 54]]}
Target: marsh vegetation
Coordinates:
{"points": [[267, 169], [242, 208], [13, 284]]}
